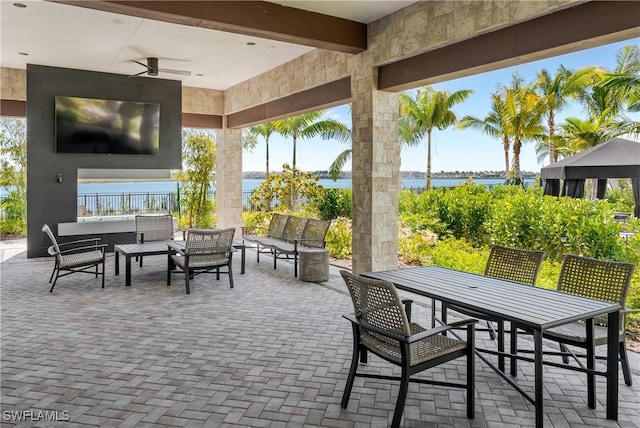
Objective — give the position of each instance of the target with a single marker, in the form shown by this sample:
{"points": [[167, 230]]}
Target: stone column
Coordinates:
{"points": [[376, 168], [229, 179]]}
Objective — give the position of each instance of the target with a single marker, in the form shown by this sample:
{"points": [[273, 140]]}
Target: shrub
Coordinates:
{"points": [[334, 203], [15, 213], [413, 245], [460, 255], [339, 238]]}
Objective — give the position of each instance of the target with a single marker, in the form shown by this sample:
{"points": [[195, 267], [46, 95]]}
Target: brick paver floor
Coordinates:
{"points": [[272, 352]]}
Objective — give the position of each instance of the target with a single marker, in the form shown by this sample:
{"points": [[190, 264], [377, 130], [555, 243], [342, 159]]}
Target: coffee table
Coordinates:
{"points": [[156, 248]]}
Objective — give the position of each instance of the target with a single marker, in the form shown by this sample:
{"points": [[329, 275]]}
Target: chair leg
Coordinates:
{"points": [[140, 261], [53, 272], [402, 396], [102, 272], [364, 356], [564, 349], [513, 350], [230, 275], [624, 360], [55, 280], [186, 279], [492, 333], [352, 370], [275, 258], [500, 343]]}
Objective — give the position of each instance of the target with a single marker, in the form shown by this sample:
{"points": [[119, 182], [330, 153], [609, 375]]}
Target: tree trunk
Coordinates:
{"points": [[294, 152], [552, 147], [517, 176], [267, 171], [507, 168], [428, 160]]}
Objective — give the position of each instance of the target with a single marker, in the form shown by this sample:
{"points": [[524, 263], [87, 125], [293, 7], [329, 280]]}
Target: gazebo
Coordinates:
{"points": [[616, 158]]}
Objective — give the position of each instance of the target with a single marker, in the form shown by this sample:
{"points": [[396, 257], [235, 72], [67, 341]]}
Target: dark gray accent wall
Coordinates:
{"points": [[51, 202]]}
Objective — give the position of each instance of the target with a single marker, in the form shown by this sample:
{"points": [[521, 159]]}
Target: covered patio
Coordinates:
{"points": [[261, 354]]}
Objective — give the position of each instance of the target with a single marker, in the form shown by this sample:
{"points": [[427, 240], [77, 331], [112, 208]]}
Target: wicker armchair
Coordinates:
{"points": [[75, 256], [511, 264], [204, 251], [381, 326], [153, 227], [596, 279]]}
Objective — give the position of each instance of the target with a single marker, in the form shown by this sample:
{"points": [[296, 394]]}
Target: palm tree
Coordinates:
{"points": [[308, 125], [429, 109], [495, 124], [524, 111], [265, 131], [556, 91]]}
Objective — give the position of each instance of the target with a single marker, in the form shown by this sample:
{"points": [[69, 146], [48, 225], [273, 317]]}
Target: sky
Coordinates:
{"points": [[452, 150]]}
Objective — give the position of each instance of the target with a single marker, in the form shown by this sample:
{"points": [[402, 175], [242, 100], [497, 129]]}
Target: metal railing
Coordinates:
{"points": [[113, 204]]}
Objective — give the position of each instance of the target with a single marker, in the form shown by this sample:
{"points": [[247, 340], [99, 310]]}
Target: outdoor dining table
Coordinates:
{"points": [[530, 308]]}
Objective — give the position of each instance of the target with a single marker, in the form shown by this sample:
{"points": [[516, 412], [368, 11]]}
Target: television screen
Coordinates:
{"points": [[85, 125]]}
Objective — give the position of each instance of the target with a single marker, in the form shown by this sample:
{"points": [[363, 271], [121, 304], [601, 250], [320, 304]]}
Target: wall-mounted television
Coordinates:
{"points": [[86, 125]]}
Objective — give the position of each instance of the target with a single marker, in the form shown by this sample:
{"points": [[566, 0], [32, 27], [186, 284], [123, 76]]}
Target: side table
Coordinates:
{"points": [[314, 264]]}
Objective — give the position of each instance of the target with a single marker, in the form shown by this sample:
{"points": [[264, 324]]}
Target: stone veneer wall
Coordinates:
{"points": [[229, 179], [426, 26], [13, 84], [202, 101], [308, 71]]}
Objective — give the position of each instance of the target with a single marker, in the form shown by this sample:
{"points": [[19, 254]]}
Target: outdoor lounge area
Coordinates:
{"points": [[261, 354]]}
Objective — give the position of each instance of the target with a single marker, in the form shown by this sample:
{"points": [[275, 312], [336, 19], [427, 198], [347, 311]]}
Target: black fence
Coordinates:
{"points": [[114, 204]]}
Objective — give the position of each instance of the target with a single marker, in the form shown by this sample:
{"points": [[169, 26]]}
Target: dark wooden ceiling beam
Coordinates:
{"points": [[560, 32], [252, 18]]}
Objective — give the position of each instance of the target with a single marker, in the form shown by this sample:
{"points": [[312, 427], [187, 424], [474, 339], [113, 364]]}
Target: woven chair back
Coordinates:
{"points": [[294, 228], [315, 232], [514, 264], [46, 229], [378, 303], [277, 225], [155, 227], [209, 245], [597, 279]]}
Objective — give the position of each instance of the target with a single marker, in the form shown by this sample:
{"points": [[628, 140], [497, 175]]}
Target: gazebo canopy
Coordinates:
{"points": [[617, 158]]}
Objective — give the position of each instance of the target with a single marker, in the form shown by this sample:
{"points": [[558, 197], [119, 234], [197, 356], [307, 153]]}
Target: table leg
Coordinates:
{"points": [[117, 263], [127, 270], [538, 399], [591, 365], [501, 345], [613, 337], [242, 258]]}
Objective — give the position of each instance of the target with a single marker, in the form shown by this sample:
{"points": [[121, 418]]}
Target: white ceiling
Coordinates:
{"points": [[60, 35]]}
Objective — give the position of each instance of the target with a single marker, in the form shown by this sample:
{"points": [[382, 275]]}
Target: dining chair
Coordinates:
{"points": [[204, 251], [511, 264], [75, 256], [381, 326], [596, 279]]}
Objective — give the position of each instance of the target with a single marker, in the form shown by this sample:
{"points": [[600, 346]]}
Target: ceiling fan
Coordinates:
{"points": [[152, 68]]}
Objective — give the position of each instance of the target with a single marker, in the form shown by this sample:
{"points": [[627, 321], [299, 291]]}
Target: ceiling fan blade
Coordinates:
{"points": [[141, 63], [168, 70], [138, 74]]}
